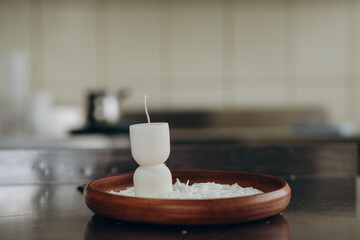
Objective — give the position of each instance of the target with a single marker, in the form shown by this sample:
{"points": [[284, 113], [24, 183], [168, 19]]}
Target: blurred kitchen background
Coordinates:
{"points": [[282, 66]]}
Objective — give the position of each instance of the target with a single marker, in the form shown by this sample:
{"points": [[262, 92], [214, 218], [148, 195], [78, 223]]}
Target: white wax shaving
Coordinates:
{"points": [[207, 190]]}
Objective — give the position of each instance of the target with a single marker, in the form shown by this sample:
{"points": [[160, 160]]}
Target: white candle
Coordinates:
{"points": [[150, 143], [151, 181], [150, 147]]}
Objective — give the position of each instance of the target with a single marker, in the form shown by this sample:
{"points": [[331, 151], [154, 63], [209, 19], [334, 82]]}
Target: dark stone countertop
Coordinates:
{"points": [[325, 200]]}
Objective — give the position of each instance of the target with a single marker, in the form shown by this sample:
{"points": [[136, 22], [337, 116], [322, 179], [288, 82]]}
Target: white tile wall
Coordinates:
{"points": [[69, 47], [134, 50], [36, 45], [205, 98], [332, 99], [354, 37], [193, 54], [136, 100], [133, 40], [355, 108], [352, 103], [197, 39], [15, 43], [258, 91], [260, 39], [321, 40], [14, 26], [196, 54]]}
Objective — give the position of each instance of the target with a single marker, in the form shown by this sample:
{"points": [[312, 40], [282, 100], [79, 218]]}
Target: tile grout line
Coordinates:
{"points": [[228, 53], [289, 78], [102, 42], [351, 58], [37, 44], [165, 54]]}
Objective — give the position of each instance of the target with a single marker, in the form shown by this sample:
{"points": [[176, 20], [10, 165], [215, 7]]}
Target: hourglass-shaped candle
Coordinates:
{"points": [[150, 147]]}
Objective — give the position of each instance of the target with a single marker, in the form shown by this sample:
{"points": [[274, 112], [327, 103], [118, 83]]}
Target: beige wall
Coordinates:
{"points": [[192, 54]]}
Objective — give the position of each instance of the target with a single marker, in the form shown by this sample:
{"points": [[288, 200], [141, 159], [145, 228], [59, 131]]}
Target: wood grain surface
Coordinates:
{"points": [[274, 200]]}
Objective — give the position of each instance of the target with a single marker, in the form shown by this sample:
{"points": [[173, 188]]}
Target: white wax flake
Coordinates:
{"points": [[207, 190]]}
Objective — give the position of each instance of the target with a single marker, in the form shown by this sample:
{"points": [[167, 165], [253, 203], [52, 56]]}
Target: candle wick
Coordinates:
{"points": [[146, 109]]}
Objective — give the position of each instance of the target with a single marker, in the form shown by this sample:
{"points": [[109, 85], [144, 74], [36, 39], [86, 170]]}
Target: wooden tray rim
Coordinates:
{"points": [[284, 185]]}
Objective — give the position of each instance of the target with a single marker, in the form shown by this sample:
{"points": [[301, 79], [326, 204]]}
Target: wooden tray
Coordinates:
{"points": [[274, 200]]}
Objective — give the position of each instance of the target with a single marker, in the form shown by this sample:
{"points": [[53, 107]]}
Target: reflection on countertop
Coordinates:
{"points": [[81, 165], [275, 228], [39, 211], [324, 205]]}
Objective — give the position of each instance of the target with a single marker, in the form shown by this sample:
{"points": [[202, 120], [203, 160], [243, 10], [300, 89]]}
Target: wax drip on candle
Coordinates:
{"points": [[146, 110]]}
